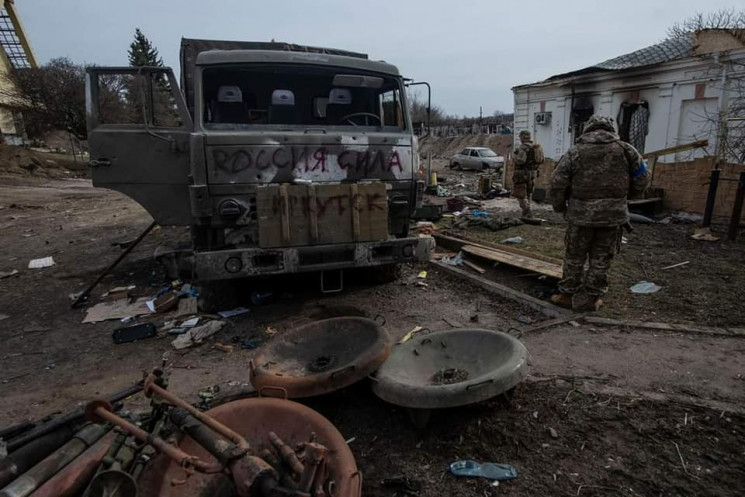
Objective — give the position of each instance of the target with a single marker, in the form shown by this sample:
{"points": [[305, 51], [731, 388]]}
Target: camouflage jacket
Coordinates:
{"points": [[594, 179], [525, 163]]}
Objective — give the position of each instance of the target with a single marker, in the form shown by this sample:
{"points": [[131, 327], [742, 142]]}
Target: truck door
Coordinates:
{"points": [[138, 135]]}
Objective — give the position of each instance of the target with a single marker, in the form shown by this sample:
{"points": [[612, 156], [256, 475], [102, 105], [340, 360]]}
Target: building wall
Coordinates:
{"points": [[683, 98]]}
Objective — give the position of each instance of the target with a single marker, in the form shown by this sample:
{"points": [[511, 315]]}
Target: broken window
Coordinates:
{"points": [[255, 94], [633, 124], [582, 110], [137, 99]]}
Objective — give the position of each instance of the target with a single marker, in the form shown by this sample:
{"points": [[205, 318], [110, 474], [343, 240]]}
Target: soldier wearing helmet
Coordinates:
{"points": [[528, 156], [591, 185]]}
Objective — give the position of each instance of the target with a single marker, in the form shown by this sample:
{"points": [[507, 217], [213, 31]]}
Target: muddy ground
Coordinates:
{"points": [[635, 412]]}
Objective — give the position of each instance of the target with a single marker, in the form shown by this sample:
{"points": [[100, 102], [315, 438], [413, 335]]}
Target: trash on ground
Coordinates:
{"points": [[225, 348], [238, 311], [676, 265], [455, 204], [491, 223], [705, 235], [117, 310], [457, 260], [645, 287], [515, 240], [410, 334], [190, 323], [425, 228], [258, 298], [188, 290], [638, 218], [134, 333], [624, 239], [196, 335], [8, 274], [186, 307], [250, 344], [269, 331], [165, 302], [422, 275], [119, 292], [41, 263], [480, 214], [490, 470], [553, 433]]}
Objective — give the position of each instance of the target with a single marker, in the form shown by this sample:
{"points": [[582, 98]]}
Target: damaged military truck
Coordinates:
{"points": [[280, 158]]}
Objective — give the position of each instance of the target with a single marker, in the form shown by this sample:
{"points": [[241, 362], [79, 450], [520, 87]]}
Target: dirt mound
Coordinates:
{"points": [[446, 147], [22, 161]]}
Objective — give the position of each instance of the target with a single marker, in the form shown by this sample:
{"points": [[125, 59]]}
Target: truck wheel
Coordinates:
{"points": [[385, 274]]}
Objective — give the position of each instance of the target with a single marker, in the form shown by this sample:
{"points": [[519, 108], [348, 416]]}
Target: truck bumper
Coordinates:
{"points": [[243, 263]]}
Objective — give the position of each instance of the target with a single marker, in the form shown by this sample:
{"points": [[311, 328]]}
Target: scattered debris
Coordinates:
{"points": [[704, 234], [457, 260], [134, 333], [238, 311], [489, 470], [186, 307], [228, 349], [8, 274], [196, 335], [425, 228], [553, 433], [422, 275], [473, 266], [645, 287], [676, 265], [190, 323], [269, 331], [250, 344], [116, 310], [515, 240], [164, 303], [410, 334], [638, 218], [41, 263]]}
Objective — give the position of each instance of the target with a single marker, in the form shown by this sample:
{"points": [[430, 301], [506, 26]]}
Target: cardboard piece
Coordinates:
{"points": [[116, 310], [41, 263], [186, 307]]}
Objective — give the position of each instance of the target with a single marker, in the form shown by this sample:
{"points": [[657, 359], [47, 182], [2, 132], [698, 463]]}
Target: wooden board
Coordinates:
{"points": [[535, 265], [317, 214], [545, 308], [456, 242]]}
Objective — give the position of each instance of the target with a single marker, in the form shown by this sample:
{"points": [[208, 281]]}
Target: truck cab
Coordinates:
{"points": [[279, 158]]}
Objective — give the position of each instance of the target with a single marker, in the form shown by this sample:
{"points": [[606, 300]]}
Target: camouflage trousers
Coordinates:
{"points": [[522, 192], [599, 245]]}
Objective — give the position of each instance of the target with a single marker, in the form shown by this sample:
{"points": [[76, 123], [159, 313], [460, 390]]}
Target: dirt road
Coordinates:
{"points": [[623, 402]]}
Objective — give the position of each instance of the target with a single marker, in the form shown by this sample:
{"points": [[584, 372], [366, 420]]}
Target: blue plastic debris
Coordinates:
{"points": [[480, 214], [490, 470]]}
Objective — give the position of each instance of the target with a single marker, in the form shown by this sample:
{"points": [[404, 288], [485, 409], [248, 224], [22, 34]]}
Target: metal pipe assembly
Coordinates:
{"points": [[27, 456], [28, 482]]}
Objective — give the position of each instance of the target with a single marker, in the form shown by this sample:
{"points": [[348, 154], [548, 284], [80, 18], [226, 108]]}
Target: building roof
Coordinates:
{"points": [[683, 47]]}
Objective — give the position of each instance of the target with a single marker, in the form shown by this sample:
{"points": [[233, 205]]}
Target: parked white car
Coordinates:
{"points": [[478, 158]]}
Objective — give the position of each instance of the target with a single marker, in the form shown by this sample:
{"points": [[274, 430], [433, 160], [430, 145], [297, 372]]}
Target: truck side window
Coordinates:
{"points": [[137, 99], [390, 108]]}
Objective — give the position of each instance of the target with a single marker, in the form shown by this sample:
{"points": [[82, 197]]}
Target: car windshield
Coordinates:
{"points": [[487, 153], [243, 97]]}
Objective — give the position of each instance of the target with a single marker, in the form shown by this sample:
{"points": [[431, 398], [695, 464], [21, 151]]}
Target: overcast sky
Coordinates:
{"points": [[471, 51]]}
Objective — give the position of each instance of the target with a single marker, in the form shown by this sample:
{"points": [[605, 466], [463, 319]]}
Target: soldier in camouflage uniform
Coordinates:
{"points": [[590, 186], [526, 160]]}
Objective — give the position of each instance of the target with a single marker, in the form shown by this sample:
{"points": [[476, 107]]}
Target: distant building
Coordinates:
{"points": [[661, 96], [16, 53]]}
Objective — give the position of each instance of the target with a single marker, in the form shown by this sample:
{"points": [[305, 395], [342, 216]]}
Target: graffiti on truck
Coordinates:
{"points": [[335, 204], [307, 159]]}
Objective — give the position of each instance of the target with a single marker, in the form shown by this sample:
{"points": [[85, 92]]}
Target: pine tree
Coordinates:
{"points": [[142, 52]]}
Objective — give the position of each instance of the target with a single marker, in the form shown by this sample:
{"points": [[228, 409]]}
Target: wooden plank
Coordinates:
{"points": [[678, 148], [537, 266], [737, 332], [545, 308], [473, 266], [456, 242]]}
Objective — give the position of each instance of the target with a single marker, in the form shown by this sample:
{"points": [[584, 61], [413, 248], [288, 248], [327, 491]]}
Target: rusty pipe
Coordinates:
{"points": [[100, 410], [27, 456], [74, 477], [70, 417], [152, 388], [286, 453], [25, 484]]}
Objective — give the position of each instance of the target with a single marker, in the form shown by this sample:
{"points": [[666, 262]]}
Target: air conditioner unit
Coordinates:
{"points": [[542, 117]]}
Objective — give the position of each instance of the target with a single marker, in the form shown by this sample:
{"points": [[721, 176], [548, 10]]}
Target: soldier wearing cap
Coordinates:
{"points": [[528, 156], [590, 185]]}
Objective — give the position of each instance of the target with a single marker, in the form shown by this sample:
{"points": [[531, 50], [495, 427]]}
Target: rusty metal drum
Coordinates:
{"points": [[321, 357]]}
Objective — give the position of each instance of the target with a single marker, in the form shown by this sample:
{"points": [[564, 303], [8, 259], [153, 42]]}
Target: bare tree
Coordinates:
{"points": [[418, 110], [729, 19], [49, 97]]}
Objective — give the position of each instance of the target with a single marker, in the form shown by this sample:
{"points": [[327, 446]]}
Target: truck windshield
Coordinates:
{"points": [[244, 97]]}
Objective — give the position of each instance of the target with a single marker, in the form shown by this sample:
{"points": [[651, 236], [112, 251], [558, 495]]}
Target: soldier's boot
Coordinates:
{"points": [[583, 302], [562, 300], [525, 207]]}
